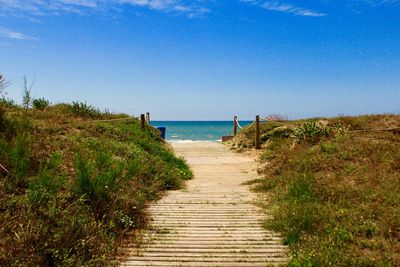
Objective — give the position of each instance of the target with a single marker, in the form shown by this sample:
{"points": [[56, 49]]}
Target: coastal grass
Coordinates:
{"points": [[334, 188], [72, 184]]}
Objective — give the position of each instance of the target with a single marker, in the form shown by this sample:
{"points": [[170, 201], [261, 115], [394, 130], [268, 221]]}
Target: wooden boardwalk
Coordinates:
{"points": [[213, 221]]}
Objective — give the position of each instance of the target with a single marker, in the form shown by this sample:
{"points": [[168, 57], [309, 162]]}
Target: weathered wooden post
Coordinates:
{"points": [[148, 117], [234, 126], [142, 120], [257, 134]]}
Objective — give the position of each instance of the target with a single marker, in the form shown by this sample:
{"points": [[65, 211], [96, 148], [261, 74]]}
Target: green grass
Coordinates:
{"points": [[76, 186], [335, 189]]}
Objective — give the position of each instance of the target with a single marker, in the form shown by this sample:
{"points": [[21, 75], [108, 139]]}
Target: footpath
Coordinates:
{"points": [[213, 221]]}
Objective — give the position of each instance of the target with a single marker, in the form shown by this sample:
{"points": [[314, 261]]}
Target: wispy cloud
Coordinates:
{"points": [[46, 7], [288, 8], [285, 7], [376, 3], [10, 34]]}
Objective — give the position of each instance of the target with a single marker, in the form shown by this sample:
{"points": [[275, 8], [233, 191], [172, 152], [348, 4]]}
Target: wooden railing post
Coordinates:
{"points": [[234, 126], [142, 120], [257, 134], [148, 117]]}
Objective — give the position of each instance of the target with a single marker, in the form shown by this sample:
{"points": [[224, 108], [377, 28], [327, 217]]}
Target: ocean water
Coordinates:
{"points": [[197, 130]]}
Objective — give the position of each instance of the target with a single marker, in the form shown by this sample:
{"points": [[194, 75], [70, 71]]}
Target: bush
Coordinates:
{"points": [[47, 183], [95, 181], [84, 110], [6, 102], [311, 132], [40, 103], [20, 160]]}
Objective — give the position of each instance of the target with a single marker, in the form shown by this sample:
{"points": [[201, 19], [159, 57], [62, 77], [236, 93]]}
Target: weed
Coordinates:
{"points": [[328, 148], [20, 160], [96, 181], [40, 103], [4, 83], [47, 183], [277, 117], [84, 110], [311, 132], [26, 97], [6, 102]]}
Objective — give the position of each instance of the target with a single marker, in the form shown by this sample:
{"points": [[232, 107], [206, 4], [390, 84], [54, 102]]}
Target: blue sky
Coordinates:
{"points": [[206, 59]]}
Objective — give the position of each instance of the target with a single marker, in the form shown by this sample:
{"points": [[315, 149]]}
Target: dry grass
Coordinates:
{"points": [[336, 198]]}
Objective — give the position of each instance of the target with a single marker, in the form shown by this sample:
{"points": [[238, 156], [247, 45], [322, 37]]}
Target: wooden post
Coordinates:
{"points": [[148, 117], [257, 134], [142, 120], [234, 126]]}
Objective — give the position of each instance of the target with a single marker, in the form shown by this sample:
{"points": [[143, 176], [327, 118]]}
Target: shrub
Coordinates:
{"points": [[47, 183], [277, 118], [96, 180], [7, 102], [84, 110], [20, 160], [26, 96], [311, 132], [40, 103], [4, 83]]}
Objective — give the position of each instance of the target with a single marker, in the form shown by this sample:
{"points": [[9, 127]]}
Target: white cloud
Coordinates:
{"points": [[43, 7], [279, 6], [375, 3], [288, 8], [10, 34]]}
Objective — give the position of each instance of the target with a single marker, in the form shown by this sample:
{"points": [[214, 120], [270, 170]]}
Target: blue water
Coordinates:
{"points": [[197, 130]]}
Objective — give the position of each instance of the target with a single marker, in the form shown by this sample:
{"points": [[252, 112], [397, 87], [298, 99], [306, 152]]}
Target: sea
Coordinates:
{"points": [[183, 131]]}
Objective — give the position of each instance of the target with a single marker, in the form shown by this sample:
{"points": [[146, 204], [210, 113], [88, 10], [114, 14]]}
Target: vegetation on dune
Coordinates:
{"points": [[71, 187], [334, 185]]}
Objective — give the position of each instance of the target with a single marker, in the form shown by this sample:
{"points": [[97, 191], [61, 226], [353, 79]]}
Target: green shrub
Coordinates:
{"points": [[84, 110], [20, 160], [7, 102], [311, 132], [40, 103], [47, 183], [96, 180]]}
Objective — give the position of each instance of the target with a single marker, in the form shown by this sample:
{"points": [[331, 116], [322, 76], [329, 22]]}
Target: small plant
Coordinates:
{"points": [[6, 102], [26, 96], [95, 181], [47, 182], [277, 118], [40, 103], [20, 158], [4, 83], [82, 109], [311, 132]]}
